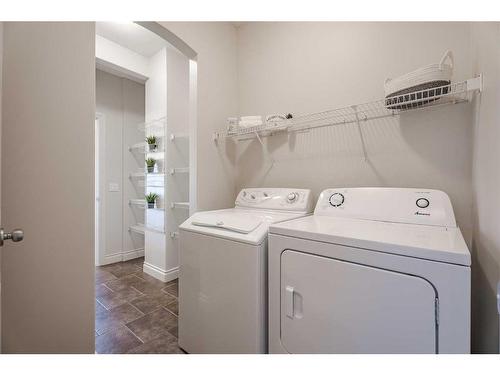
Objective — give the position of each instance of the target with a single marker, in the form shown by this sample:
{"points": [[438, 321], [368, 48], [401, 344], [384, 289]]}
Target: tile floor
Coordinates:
{"points": [[134, 312]]}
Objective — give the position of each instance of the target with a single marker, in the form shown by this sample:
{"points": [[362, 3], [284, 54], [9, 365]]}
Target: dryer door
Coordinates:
{"points": [[334, 306]]}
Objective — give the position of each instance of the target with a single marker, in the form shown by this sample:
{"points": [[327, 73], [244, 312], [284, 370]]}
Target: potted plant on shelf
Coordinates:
{"points": [[151, 199], [152, 145], [150, 163]]}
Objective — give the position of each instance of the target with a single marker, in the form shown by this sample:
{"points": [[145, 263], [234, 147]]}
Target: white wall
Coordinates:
{"points": [[310, 67], [121, 101], [113, 58], [486, 184], [215, 44]]}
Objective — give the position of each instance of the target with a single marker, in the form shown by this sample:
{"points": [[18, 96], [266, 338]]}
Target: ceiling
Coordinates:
{"points": [[131, 36]]}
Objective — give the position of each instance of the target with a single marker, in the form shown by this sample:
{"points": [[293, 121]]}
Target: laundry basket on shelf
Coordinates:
{"points": [[421, 86]]}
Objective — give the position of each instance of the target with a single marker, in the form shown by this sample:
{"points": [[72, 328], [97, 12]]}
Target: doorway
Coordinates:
{"points": [[144, 91]]}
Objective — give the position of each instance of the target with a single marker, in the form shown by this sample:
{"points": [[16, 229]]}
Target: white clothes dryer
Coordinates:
{"points": [[374, 270]]}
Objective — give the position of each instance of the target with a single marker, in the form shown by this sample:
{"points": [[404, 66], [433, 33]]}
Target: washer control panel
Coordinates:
{"points": [[276, 199], [398, 205]]}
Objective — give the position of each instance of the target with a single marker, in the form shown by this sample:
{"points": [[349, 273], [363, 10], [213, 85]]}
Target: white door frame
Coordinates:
{"points": [[100, 188]]}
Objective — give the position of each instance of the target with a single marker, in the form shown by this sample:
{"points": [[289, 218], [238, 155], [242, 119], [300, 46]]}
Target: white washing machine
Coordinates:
{"points": [[223, 271], [374, 270]]}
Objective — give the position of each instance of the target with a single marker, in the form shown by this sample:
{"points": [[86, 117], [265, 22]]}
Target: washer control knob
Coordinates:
{"points": [[422, 202], [292, 197], [336, 199]]}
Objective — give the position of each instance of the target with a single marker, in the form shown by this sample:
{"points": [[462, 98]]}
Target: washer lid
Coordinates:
{"points": [[419, 241], [234, 221], [237, 224]]}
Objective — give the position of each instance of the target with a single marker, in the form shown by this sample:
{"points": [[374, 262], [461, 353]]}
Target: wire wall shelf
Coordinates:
{"points": [[453, 93], [153, 125]]}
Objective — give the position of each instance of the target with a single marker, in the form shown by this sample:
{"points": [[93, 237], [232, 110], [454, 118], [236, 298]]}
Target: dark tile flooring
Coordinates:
{"points": [[134, 312]]}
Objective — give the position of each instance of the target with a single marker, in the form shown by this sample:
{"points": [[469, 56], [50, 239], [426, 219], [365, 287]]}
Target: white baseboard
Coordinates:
{"points": [[122, 257], [137, 253], [160, 274]]}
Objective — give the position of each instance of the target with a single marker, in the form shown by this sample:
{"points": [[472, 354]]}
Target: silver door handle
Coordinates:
{"points": [[16, 235]]}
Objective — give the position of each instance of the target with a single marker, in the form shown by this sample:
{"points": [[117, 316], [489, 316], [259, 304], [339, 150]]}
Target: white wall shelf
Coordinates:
{"points": [[153, 125], [142, 148], [137, 229], [179, 170], [137, 174], [184, 205], [137, 202], [144, 174], [174, 136], [157, 209], [453, 93], [141, 229]]}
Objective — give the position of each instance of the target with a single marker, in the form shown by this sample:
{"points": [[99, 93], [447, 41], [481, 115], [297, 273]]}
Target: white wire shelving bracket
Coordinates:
{"points": [[454, 93]]}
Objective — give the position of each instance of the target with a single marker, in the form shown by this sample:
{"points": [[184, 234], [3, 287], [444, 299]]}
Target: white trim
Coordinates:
{"points": [[193, 129], [100, 175], [122, 257], [160, 274], [132, 254], [119, 71]]}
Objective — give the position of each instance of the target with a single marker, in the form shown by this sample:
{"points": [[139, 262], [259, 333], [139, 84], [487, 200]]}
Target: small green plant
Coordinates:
{"points": [[151, 141], [150, 163], [151, 199]]}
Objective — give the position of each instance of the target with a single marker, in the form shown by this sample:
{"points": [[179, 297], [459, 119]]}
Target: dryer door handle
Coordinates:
{"points": [[289, 292]]}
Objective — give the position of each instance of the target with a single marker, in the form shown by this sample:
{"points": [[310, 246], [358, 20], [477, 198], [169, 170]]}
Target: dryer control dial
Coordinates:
{"points": [[422, 202], [336, 199], [292, 197]]}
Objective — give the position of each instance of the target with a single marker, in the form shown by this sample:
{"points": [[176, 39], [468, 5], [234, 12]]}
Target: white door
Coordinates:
{"points": [[333, 306], [47, 154]]}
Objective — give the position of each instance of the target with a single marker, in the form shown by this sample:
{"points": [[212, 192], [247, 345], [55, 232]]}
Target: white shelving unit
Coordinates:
{"points": [[453, 93], [150, 182]]}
